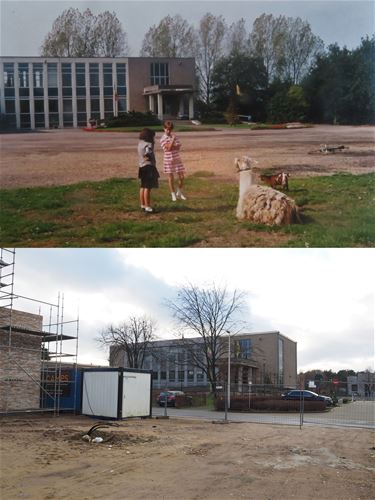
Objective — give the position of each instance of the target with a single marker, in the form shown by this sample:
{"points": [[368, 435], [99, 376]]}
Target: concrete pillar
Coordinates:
{"points": [[2, 89], [45, 95], [17, 95], [87, 80], [191, 106], [59, 93], [101, 91], [151, 103], [74, 95], [160, 106], [31, 97]]}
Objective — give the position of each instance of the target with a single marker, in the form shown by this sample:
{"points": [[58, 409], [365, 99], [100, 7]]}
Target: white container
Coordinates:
{"points": [[116, 392]]}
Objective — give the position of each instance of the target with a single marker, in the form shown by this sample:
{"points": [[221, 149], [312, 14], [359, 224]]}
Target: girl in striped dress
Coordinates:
{"points": [[172, 161]]}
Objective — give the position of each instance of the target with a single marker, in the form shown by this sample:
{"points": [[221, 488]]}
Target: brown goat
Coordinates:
{"points": [[280, 179]]}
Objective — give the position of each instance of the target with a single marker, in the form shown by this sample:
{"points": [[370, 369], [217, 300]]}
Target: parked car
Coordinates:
{"points": [[307, 396], [171, 397]]}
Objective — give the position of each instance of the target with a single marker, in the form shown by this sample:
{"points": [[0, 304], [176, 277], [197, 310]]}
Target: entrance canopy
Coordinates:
{"points": [[171, 101]]}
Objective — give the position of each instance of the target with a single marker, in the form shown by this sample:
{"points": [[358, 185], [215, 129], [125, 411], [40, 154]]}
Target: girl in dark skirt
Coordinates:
{"points": [[147, 173]]}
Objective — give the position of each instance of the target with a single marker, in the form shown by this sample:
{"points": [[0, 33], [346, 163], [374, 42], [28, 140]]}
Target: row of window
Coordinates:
{"points": [[159, 75], [179, 376]]}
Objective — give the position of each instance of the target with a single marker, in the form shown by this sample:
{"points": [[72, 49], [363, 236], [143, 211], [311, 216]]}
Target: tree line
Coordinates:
{"points": [[279, 71]]}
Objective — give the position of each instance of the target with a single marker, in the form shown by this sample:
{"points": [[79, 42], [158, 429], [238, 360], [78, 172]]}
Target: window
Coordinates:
{"points": [[242, 349], [107, 80], [23, 75], [163, 375], [94, 79], [159, 74], [154, 375], [121, 79], [181, 375], [38, 79], [25, 106], [95, 105], [8, 75], [80, 75], [53, 106], [199, 376], [10, 106], [180, 357], [172, 375], [190, 375], [52, 75]]}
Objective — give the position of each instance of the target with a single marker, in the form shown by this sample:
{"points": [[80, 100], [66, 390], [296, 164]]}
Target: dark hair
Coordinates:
{"points": [[147, 135], [168, 124]]}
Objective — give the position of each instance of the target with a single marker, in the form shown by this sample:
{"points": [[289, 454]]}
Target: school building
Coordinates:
{"points": [[254, 358], [50, 92]]}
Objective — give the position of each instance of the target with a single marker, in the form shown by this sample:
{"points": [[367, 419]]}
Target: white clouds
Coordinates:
{"points": [[323, 299]]}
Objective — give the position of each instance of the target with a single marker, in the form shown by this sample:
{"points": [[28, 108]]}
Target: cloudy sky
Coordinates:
{"points": [[24, 23], [323, 299]]}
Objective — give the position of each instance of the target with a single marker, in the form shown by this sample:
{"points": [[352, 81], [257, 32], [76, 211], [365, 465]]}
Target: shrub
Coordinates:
{"points": [[212, 117], [241, 403], [287, 106], [133, 119]]}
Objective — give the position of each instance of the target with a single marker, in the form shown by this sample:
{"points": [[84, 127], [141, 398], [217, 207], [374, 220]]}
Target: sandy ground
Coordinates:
{"points": [[68, 156], [44, 457]]}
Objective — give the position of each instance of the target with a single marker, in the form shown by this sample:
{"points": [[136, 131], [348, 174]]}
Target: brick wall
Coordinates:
{"points": [[20, 362]]}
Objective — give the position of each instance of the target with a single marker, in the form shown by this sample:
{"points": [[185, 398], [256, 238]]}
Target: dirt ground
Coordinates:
{"points": [[44, 457], [58, 157]]}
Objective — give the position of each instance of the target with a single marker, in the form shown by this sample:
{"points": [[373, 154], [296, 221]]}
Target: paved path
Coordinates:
{"points": [[357, 414]]}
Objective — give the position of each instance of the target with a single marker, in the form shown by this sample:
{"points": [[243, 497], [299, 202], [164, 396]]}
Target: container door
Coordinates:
{"points": [[136, 395], [100, 394]]}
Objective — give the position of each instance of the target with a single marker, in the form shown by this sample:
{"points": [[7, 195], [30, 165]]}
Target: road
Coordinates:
{"points": [[356, 414]]}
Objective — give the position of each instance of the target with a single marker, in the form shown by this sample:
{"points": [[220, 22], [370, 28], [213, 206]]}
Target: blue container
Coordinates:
{"points": [[63, 388]]}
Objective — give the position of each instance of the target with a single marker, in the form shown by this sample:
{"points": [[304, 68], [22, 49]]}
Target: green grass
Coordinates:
{"points": [[337, 211]]}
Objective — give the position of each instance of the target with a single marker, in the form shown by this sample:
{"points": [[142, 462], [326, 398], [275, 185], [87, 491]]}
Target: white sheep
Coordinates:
{"points": [[262, 204]]}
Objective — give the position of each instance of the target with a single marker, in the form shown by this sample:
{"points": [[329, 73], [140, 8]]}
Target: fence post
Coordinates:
{"points": [[301, 411]]}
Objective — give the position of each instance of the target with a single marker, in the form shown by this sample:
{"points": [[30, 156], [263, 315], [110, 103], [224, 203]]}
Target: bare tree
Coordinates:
{"points": [[110, 38], [300, 47], [237, 39], [267, 42], [77, 34], [172, 37], [207, 313], [210, 38], [287, 46], [131, 337]]}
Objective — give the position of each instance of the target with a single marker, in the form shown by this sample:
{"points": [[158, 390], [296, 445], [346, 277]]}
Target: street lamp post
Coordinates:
{"points": [[249, 392], [228, 391]]}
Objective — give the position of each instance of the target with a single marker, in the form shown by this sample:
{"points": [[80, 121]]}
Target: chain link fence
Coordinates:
{"points": [[268, 404]]}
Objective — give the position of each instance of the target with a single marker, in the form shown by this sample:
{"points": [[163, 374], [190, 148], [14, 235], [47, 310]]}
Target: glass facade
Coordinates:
{"points": [[61, 94]]}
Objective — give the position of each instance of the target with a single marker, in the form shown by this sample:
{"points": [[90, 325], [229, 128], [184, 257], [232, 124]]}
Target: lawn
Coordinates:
{"points": [[337, 211]]}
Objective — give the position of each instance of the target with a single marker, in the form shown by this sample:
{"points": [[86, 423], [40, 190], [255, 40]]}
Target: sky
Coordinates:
{"points": [[321, 298], [24, 23]]}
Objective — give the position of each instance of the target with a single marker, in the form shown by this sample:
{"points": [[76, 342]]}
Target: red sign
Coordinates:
{"points": [[335, 381]]}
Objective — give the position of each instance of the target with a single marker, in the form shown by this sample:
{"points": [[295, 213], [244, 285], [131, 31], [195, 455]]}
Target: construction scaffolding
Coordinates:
{"points": [[33, 376]]}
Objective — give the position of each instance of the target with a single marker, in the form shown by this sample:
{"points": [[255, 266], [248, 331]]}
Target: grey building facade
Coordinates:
{"points": [[48, 92], [257, 358]]}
